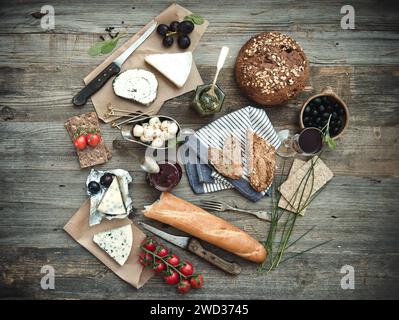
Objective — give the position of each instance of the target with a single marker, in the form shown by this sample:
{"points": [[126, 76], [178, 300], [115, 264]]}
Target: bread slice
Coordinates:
{"points": [[174, 66], [228, 162], [137, 85], [261, 161]]}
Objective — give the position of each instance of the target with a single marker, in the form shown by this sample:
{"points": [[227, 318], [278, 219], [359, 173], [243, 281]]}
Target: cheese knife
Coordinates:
{"points": [[193, 245], [112, 69]]}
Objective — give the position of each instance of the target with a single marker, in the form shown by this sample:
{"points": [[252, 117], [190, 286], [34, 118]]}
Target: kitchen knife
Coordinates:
{"points": [[114, 68], [194, 246]]}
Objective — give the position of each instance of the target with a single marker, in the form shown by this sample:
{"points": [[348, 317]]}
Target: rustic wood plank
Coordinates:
{"points": [[41, 184]]}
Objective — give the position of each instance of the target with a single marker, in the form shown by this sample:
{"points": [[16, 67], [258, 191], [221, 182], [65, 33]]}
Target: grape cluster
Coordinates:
{"points": [[181, 29]]}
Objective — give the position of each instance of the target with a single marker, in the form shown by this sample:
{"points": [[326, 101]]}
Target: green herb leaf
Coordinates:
{"points": [[330, 141], [104, 47], [195, 18], [95, 49]]}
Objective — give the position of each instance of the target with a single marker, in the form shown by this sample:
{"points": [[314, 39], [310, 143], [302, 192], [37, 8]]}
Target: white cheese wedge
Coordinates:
{"points": [[117, 243], [174, 66], [136, 84], [112, 202]]}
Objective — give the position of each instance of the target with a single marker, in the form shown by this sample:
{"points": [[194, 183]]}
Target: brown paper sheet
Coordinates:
{"points": [[322, 174], [153, 44], [132, 271]]}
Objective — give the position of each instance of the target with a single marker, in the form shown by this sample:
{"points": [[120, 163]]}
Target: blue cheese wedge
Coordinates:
{"points": [[137, 85], [112, 201], [117, 243], [174, 66]]}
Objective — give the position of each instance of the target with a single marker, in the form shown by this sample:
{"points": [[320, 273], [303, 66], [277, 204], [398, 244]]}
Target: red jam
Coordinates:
{"points": [[169, 176]]}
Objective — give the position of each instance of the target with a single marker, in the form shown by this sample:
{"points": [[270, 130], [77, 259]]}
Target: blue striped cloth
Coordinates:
{"points": [[202, 177]]}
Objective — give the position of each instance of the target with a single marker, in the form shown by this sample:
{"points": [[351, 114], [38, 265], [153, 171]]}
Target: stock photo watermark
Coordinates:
{"points": [[348, 20], [348, 280], [47, 282], [47, 21]]}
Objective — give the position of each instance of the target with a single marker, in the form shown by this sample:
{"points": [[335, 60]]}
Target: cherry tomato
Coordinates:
{"points": [[197, 281], [173, 260], [150, 245], [172, 277], [80, 142], [161, 252], [93, 139], [183, 286], [159, 266], [186, 268], [145, 259]]}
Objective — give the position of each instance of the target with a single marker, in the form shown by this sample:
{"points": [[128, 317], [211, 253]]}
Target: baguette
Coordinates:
{"points": [[189, 218]]}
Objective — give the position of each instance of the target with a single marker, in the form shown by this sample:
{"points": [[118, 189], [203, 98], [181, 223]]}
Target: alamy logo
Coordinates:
{"points": [[348, 280], [47, 22], [47, 281], [348, 20]]}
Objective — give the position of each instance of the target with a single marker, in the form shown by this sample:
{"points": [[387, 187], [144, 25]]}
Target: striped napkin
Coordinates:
{"points": [[202, 177]]}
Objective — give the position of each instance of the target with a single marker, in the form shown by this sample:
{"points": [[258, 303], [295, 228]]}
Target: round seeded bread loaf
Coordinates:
{"points": [[271, 68]]}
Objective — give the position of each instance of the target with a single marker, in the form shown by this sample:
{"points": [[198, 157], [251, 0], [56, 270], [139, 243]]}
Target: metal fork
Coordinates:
{"points": [[221, 206]]}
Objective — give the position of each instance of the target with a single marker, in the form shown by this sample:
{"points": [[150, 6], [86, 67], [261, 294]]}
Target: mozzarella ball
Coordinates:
{"points": [[164, 135], [138, 130], [173, 128], [148, 132], [144, 138], [165, 125], [157, 133], [155, 122], [157, 142]]}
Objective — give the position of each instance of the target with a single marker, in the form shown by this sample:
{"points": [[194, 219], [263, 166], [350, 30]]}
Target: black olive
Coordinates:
{"points": [[330, 109], [306, 121], [310, 124], [335, 131], [326, 115], [307, 109], [185, 27], [324, 100], [162, 29], [334, 115], [106, 179], [173, 26], [341, 111], [322, 108], [317, 120], [339, 123], [315, 113], [183, 41], [167, 41], [317, 100], [93, 187]]}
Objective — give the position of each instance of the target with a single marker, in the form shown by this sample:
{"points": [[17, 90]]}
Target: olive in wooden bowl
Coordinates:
{"points": [[319, 108]]}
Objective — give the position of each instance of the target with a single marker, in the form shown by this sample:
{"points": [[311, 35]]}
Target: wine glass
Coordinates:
{"points": [[308, 142]]}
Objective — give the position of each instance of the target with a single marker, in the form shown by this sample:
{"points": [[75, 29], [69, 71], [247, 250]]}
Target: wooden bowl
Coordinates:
{"points": [[328, 92]]}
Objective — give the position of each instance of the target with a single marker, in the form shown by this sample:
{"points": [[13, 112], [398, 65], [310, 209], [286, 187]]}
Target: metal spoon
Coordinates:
{"points": [[222, 57]]}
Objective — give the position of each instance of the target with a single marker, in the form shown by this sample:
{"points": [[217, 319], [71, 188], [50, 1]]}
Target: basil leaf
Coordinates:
{"points": [[95, 49], [195, 18], [103, 47], [109, 45]]}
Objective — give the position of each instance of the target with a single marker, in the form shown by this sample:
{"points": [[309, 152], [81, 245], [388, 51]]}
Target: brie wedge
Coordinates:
{"points": [[117, 243], [174, 66], [112, 202], [136, 84]]}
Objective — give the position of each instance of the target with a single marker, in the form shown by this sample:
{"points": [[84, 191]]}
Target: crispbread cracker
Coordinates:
{"points": [[283, 203], [322, 174]]}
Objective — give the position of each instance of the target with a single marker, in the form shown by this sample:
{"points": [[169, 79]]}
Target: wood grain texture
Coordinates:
{"points": [[41, 184]]}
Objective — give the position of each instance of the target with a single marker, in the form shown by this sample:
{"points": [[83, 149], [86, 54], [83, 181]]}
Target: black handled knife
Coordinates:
{"points": [[114, 68], [194, 246]]}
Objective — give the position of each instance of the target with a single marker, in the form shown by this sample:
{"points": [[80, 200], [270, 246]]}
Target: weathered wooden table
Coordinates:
{"points": [[41, 184]]}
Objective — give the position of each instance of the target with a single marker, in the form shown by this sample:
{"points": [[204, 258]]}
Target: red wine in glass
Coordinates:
{"points": [[309, 141]]}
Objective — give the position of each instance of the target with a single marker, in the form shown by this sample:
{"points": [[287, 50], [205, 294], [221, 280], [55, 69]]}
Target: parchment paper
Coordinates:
{"points": [[132, 271], [153, 44]]}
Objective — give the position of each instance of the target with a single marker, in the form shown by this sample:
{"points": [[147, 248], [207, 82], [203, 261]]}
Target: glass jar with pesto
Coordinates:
{"points": [[206, 104]]}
